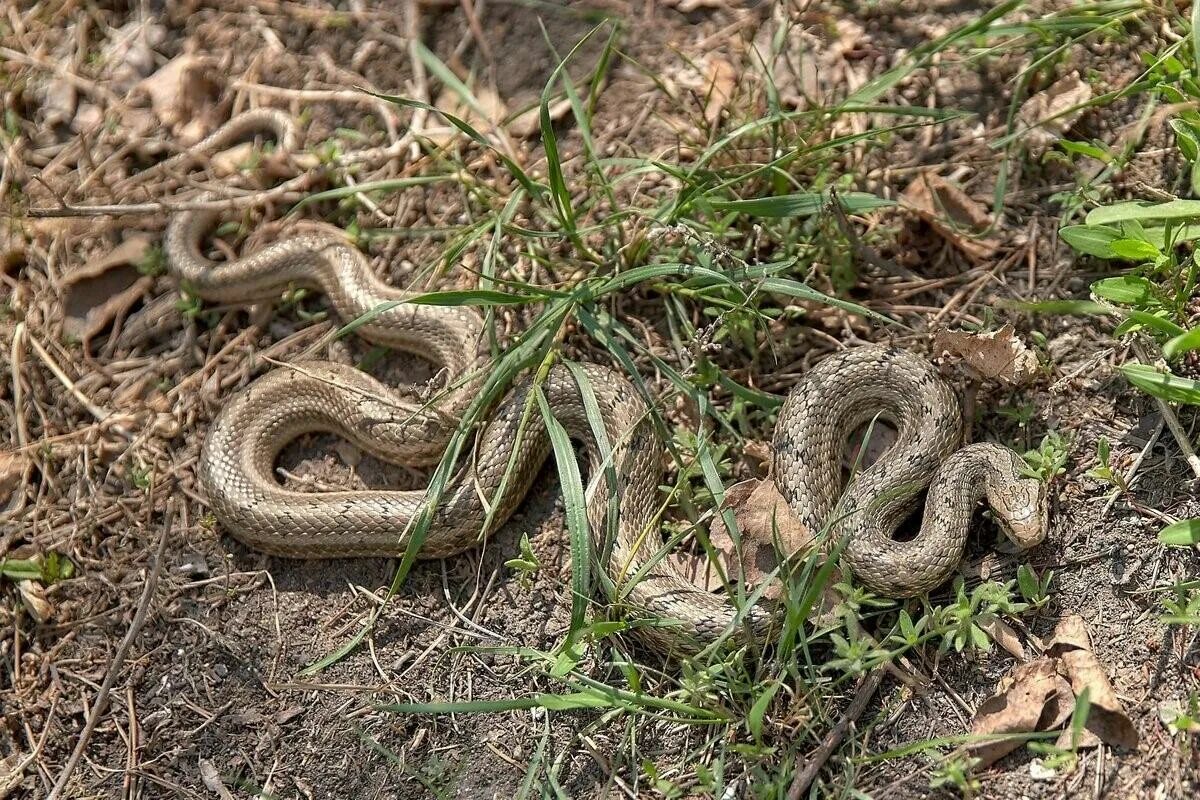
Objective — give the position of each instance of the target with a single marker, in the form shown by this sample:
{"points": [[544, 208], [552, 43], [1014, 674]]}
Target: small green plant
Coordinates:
{"points": [[1049, 459], [1035, 589], [189, 305], [50, 568], [153, 263], [294, 299], [960, 622], [1180, 721], [1103, 470], [956, 773], [140, 476], [527, 564], [1183, 605], [1054, 758]]}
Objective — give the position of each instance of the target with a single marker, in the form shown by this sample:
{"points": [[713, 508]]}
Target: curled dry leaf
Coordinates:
{"points": [[13, 468], [1042, 695], [1051, 112], [1029, 700], [1003, 634], [953, 214], [1106, 718], [181, 94], [998, 355], [761, 514], [105, 290], [33, 597], [719, 81], [128, 55]]}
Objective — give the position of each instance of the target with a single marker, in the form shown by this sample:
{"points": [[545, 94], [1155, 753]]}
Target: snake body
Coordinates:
{"points": [[842, 392]]}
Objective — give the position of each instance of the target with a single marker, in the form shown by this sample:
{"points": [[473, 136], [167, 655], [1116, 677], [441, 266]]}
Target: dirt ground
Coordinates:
{"points": [[213, 698]]}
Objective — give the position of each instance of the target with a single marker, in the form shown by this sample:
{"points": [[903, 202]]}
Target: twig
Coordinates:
{"points": [[16, 357], [96, 411], [862, 695], [1172, 421], [1137, 464], [114, 668], [289, 191]]}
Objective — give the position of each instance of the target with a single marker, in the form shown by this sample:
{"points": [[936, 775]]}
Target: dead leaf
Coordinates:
{"points": [[1047, 113], [529, 121], [231, 161], [761, 514], [1106, 717], [1003, 634], [998, 355], [182, 95], [13, 467], [1019, 705], [33, 596], [58, 103], [105, 289], [211, 777], [484, 114], [953, 214], [128, 55], [720, 80]]}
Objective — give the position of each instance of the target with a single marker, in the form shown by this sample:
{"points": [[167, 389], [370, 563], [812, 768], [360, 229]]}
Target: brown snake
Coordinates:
{"points": [[840, 394]]}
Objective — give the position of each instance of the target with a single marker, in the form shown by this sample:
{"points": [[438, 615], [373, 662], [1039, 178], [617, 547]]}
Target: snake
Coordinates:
{"points": [[600, 409]]}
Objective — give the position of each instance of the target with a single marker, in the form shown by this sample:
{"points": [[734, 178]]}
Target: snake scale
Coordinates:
{"points": [[841, 393]]}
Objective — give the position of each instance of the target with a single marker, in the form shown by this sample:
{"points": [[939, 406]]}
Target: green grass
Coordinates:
{"points": [[568, 239]]}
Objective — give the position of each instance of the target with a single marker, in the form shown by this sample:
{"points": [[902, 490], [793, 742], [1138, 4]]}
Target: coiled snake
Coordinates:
{"points": [[842, 392]]}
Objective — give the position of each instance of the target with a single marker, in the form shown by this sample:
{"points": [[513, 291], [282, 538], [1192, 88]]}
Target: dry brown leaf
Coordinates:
{"points": [[761, 514], [998, 355], [1047, 113], [105, 289], [58, 103], [953, 214], [483, 115], [529, 121], [1003, 634], [128, 55], [231, 161], [719, 82], [33, 597], [13, 467], [1106, 717], [1021, 704], [181, 94]]}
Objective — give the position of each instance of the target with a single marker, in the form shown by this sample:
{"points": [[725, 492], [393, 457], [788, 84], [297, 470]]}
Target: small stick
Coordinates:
{"points": [[16, 356], [1137, 464], [289, 191], [101, 701], [862, 695], [96, 411]]}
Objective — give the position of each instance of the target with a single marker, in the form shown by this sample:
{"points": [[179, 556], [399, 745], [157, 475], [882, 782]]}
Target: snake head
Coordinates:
{"points": [[1024, 512]]}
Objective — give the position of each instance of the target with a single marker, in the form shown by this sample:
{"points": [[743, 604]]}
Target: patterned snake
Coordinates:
{"points": [[840, 394]]}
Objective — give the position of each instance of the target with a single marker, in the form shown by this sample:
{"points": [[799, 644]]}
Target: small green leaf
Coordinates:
{"points": [[1185, 138], [1182, 343], [1156, 321], [1185, 533], [1027, 581], [1126, 289], [1163, 385], [1092, 240], [803, 204], [757, 711], [1142, 210], [1135, 250]]}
